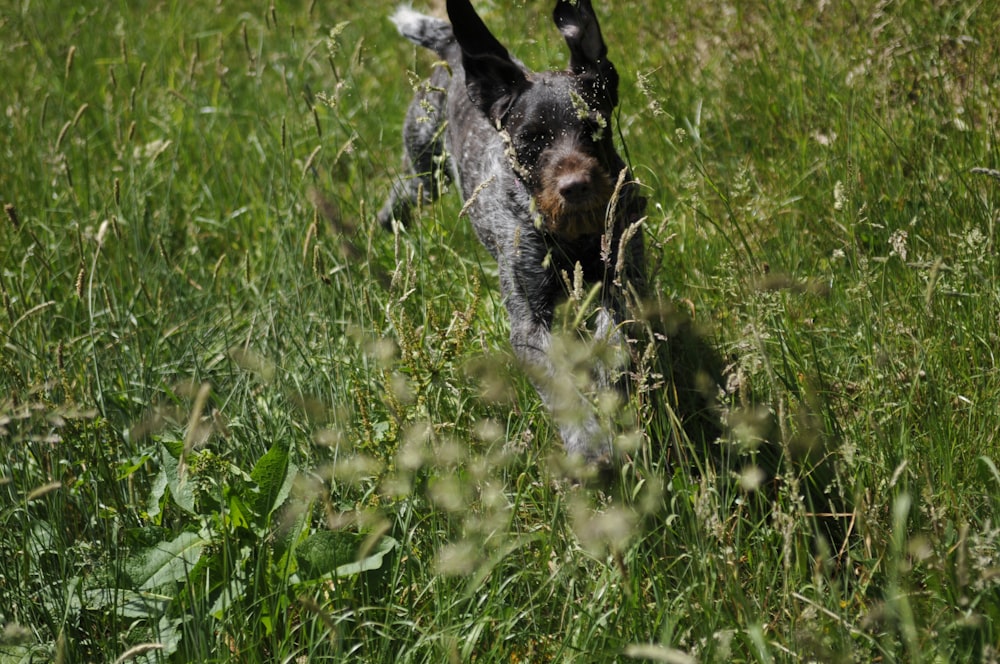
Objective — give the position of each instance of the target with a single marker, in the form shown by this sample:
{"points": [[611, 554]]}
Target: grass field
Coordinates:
{"points": [[241, 423]]}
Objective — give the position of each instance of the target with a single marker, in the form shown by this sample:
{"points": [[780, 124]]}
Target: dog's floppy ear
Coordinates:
{"points": [[492, 78], [588, 54]]}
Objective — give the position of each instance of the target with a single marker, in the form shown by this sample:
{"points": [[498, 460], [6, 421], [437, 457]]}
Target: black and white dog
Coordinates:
{"points": [[547, 193]]}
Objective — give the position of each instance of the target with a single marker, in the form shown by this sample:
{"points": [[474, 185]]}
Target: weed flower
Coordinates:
{"points": [[706, 508], [898, 243], [976, 241], [652, 103], [839, 196]]}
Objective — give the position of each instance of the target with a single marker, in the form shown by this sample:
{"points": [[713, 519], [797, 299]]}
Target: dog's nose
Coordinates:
{"points": [[575, 187]]}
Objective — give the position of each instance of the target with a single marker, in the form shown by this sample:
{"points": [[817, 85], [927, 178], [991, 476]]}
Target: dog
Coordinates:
{"points": [[543, 185]]}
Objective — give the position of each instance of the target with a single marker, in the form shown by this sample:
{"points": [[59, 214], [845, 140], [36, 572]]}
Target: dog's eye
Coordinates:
{"points": [[595, 125], [536, 135]]}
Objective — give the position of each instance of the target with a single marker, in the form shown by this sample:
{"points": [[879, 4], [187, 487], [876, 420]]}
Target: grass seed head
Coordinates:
{"points": [[70, 56], [11, 212], [605, 530], [457, 559], [79, 281]]}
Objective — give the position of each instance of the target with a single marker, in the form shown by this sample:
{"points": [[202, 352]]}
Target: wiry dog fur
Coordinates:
{"points": [[545, 189]]}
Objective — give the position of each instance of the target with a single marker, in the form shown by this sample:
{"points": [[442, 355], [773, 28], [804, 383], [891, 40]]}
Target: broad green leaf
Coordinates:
{"points": [[166, 562], [988, 462], [234, 590], [40, 539], [174, 447], [169, 633], [156, 494], [326, 552], [286, 487], [180, 487], [126, 470], [22, 654], [374, 560], [126, 603], [238, 514], [269, 475]]}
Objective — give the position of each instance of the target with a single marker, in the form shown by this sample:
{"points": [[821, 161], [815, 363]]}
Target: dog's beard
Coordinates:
{"points": [[571, 220]]}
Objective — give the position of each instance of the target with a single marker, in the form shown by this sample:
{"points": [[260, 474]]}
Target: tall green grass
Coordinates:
{"points": [[239, 422]]}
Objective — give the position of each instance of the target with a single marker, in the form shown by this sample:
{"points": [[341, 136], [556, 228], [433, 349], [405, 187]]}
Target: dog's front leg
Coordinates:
{"points": [[557, 380], [611, 354]]}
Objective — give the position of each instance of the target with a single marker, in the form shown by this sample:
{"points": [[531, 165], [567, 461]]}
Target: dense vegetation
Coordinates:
{"points": [[240, 422]]}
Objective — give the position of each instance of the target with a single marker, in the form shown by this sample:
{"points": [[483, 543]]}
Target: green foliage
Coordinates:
{"points": [[239, 422]]}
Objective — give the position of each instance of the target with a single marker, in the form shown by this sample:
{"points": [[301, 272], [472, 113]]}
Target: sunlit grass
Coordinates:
{"points": [[241, 422]]}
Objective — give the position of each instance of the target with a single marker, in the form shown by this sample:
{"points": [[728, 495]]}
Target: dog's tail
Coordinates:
{"points": [[427, 31]]}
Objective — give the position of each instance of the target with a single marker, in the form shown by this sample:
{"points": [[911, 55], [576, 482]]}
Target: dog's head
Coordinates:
{"points": [[557, 124]]}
